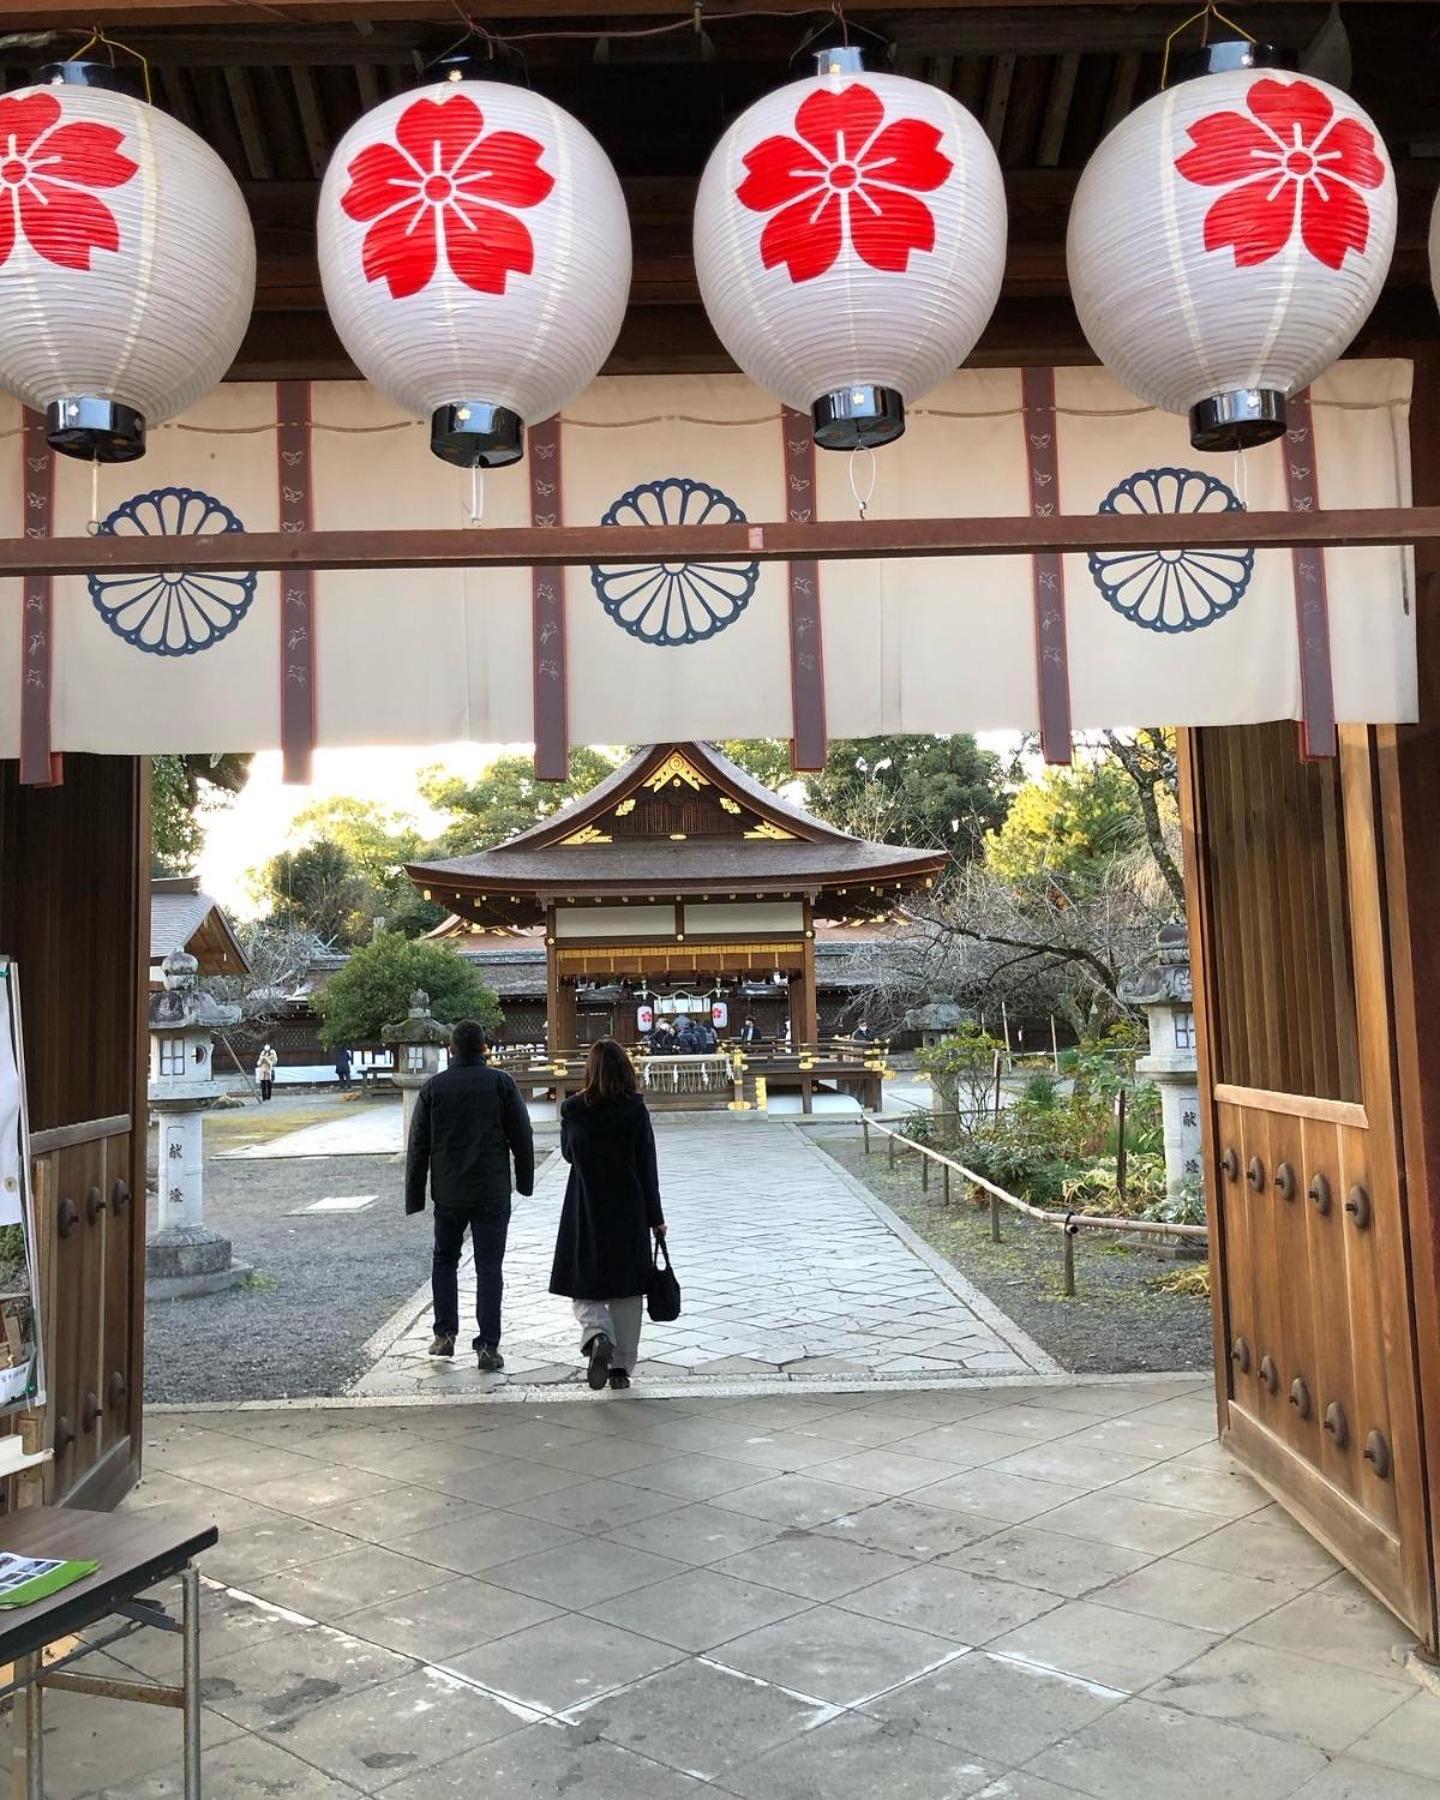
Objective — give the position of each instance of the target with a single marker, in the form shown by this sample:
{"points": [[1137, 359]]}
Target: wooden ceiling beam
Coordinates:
{"points": [[558, 546], [922, 27]]}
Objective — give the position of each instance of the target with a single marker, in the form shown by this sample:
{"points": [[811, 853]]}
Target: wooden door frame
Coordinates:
{"points": [[1408, 764]]}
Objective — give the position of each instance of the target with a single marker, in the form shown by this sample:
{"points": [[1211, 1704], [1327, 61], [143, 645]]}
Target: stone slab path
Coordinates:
{"points": [[789, 1268]]}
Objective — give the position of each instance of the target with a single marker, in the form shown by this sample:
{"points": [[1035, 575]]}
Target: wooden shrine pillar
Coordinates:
{"points": [[75, 915], [805, 1022], [560, 1019]]}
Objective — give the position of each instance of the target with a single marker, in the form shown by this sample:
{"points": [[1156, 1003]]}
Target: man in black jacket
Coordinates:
{"points": [[470, 1120]]}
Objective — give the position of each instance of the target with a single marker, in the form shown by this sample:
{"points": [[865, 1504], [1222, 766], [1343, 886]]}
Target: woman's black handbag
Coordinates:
{"points": [[662, 1291]]}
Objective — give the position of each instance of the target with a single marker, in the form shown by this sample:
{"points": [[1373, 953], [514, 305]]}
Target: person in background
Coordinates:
{"points": [[662, 1039], [470, 1124], [343, 1059], [862, 1034], [265, 1065], [687, 1038], [709, 1040], [603, 1251], [749, 1031]]}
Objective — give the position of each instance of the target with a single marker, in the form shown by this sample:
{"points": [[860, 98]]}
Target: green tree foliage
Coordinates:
{"points": [[507, 798], [929, 792], [1068, 825], [378, 843], [347, 871], [373, 990], [183, 789], [317, 888]]}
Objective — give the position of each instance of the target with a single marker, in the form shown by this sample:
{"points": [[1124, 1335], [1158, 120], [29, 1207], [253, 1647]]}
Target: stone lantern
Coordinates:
{"points": [[1167, 996], [184, 1256], [420, 1045]]}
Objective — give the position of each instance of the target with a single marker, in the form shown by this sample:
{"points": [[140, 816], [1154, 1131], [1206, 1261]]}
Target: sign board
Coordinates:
{"points": [[21, 1366]]}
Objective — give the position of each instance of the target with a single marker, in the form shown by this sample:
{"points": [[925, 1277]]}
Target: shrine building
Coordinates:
{"points": [[677, 879]]}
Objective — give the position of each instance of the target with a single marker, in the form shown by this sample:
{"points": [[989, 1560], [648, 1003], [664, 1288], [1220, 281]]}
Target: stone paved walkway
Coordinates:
{"points": [[1026, 1594], [788, 1267]]}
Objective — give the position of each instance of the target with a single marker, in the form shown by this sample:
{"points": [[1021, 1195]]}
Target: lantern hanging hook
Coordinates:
{"points": [[99, 36], [862, 501], [1202, 18]]}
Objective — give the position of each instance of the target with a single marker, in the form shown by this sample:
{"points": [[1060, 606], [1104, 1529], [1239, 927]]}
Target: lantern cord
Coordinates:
{"points": [[1242, 479], [862, 500], [477, 496], [99, 36], [1204, 16], [93, 526]]}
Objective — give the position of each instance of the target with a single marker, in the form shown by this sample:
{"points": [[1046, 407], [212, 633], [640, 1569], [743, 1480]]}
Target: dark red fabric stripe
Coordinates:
{"points": [[1052, 657], [39, 766], [809, 742], [547, 610], [1318, 736], [297, 595]]}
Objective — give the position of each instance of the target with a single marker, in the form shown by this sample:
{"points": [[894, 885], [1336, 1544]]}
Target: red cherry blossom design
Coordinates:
{"points": [[45, 169], [1292, 160], [444, 175], [847, 174]]}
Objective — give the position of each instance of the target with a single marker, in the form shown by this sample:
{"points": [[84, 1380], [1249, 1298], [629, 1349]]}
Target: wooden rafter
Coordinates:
{"points": [[823, 540]]}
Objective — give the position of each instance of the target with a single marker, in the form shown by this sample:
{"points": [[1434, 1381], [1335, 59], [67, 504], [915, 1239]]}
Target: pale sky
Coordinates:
{"points": [[245, 834]]}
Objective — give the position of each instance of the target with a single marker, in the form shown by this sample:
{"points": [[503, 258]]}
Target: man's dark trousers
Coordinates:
{"points": [[488, 1227]]}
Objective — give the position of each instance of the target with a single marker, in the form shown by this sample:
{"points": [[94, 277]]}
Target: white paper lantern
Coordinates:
{"points": [[475, 254], [1228, 240], [850, 241], [127, 262]]}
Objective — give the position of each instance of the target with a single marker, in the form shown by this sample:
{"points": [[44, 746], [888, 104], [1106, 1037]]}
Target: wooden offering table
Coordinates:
{"points": [[135, 1553]]}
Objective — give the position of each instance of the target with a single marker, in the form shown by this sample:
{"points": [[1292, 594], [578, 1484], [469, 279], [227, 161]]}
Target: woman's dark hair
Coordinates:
{"points": [[609, 1073]]}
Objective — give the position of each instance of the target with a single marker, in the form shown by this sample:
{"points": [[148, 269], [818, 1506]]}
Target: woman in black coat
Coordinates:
{"points": [[612, 1205]]}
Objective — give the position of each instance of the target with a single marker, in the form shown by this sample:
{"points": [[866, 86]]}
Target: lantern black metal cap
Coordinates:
{"points": [[474, 434], [1242, 419], [474, 61], [858, 418], [1223, 57], [840, 59], [80, 73], [95, 429]]}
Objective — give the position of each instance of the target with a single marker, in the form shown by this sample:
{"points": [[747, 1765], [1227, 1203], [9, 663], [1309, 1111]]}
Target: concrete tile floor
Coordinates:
{"points": [[826, 1610]]}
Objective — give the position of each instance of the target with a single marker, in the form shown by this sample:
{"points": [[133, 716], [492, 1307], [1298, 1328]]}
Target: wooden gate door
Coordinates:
{"points": [[1315, 1336], [74, 912]]}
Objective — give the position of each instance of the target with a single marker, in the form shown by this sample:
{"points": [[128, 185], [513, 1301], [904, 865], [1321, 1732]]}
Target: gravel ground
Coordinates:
{"points": [[1116, 1323], [322, 1284]]}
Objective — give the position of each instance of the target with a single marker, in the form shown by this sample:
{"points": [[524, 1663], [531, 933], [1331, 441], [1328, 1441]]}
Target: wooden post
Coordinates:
{"points": [[1005, 1028], [997, 1084], [945, 1170], [865, 1127], [1120, 1169], [1054, 1044], [1068, 1235], [924, 1173], [890, 1146], [994, 1219]]}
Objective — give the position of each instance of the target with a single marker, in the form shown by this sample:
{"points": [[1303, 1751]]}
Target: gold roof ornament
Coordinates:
{"points": [[588, 834], [677, 768]]}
